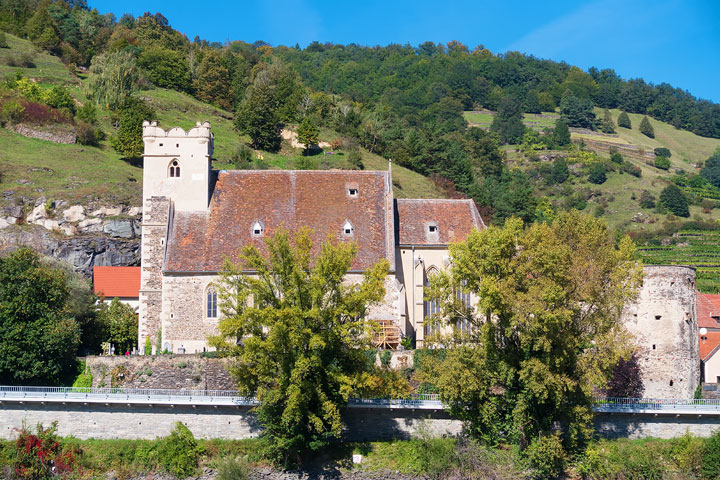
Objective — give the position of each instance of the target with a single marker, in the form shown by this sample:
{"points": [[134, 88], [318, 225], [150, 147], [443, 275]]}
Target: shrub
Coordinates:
{"points": [[647, 200], [87, 113], [624, 121], [673, 199], [3, 40], [546, 456], [597, 174], [59, 97], [84, 380], [662, 152], [355, 159], [615, 156], [632, 169], [86, 134], [232, 468], [385, 357], [178, 453], [663, 163], [40, 455], [11, 112], [243, 157], [711, 456], [148, 346]]}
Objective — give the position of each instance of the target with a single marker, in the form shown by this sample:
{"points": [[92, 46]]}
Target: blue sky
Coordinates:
{"points": [[669, 41]]}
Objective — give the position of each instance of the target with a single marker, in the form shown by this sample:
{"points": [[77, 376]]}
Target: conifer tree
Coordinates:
{"points": [[624, 120], [646, 128], [508, 121], [607, 125], [561, 133], [675, 200]]}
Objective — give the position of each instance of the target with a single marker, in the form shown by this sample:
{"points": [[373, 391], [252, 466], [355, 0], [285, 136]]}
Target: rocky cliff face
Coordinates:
{"points": [[104, 236]]}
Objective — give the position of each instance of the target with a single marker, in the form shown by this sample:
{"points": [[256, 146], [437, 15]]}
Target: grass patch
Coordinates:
{"points": [[48, 68]]}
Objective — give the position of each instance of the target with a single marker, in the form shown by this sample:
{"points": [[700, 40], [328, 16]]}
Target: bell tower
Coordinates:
{"points": [[176, 177]]}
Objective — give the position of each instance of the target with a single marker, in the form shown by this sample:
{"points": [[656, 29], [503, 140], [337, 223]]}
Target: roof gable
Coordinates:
{"points": [[708, 308], [436, 221]]}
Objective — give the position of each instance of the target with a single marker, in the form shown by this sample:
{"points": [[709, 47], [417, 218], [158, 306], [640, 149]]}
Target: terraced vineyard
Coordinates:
{"points": [[696, 248]]}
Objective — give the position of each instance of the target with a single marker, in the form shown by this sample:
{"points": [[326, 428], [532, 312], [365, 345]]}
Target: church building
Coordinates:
{"points": [[194, 217]]}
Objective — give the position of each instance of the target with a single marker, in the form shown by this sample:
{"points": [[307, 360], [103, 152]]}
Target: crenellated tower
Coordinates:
{"points": [[176, 177]]}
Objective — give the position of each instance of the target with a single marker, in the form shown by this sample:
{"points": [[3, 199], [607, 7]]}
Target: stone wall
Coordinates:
{"points": [[148, 422], [186, 372], [658, 426], [663, 321], [185, 323]]}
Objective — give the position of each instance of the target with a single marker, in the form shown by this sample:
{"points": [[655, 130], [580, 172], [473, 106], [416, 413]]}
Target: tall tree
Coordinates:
{"points": [[128, 141], [507, 123], [294, 330], [259, 117], [38, 338], [561, 133], [308, 133], [577, 112], [607, 125], [624, 120], [646, 128], [113, 78], [711, 170], [545, 333], [166, 68]]}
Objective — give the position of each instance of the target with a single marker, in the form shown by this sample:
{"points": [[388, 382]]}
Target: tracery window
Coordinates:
{"points": [[174, 169], [211, 303]]}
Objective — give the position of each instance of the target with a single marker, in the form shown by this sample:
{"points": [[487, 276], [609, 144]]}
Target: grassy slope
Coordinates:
{"points": [[80, 174]]}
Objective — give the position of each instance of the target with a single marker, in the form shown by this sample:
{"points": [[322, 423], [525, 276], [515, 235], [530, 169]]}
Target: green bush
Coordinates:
{"points": [[663, 163], [616, 156], [385, 357], [546, 456], [662, 152], [597, 174], [243, 157], [11, 112], [3, 40], [711, 457], [86, 134], [674, 200], [179, 452], [647, 199], [84, 380], [87, 113], [148, 346], [232, 468], [633, 170]]}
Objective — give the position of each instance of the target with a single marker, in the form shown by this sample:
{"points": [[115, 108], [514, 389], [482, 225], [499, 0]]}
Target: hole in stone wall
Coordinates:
{"points": [[658, 317], [671, 383], [653, 346]]}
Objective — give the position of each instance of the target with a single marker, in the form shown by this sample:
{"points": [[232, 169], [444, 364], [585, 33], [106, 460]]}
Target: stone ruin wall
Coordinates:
{"points": [[663, 321]]}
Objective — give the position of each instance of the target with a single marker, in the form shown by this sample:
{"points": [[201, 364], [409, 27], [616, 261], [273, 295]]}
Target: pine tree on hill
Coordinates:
{"points": [[508, 121], [646, 128], [561, 133], [607, 125], [675, 200], [624, 121]]}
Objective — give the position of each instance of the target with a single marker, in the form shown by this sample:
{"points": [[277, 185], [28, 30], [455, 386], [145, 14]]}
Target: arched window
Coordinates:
{"points": [[211, 303], [174, 169], [463, 295]]}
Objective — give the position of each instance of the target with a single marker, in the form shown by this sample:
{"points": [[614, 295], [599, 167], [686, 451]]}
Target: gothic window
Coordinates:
{"points": [[174, 169], [211, 303], [432, 305], [464, 297]]}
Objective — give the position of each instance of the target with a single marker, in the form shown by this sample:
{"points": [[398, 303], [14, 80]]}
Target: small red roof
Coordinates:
{"points": [[709, 345], [114, 282], [708, 308]]}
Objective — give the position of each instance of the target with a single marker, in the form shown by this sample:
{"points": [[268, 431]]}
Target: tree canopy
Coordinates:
{"points": [[294, 329], [546, 330], [38, 336], [675, 200]]}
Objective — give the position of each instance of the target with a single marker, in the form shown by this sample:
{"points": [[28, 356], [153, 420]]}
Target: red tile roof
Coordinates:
{"points": [[198, 242], [708, 306], [709, 345], [114, 282], [454, 220]]}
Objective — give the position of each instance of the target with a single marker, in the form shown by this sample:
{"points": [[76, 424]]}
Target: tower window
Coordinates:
{"points": [[211, 303], [348, 228], [174, 169]]}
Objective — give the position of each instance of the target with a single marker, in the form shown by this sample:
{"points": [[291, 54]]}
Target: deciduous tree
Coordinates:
{"points": [[294, 328], [113, 78], [128, 141], [308, 134], [546, 330], [38, 337], [507, 123]]}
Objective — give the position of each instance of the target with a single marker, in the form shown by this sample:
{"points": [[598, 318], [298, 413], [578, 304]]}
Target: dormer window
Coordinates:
{"points": [[432, 228], [348, 228], [353, 192], [174, 169], [258, 230]]}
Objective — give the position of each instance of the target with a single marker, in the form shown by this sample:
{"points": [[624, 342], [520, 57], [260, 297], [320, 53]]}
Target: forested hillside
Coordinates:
{"points": [[520, 135]]}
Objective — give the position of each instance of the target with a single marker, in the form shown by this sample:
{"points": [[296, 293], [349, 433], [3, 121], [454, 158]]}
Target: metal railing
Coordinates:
{"points": [[186, 397], [656, 405]]}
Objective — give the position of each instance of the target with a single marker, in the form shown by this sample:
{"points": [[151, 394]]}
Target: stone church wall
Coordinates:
{"points": [[185, 324], [663, 321]]}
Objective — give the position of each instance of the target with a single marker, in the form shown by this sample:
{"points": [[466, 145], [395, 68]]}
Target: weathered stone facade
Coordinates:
{"points": [[663, 321]]}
